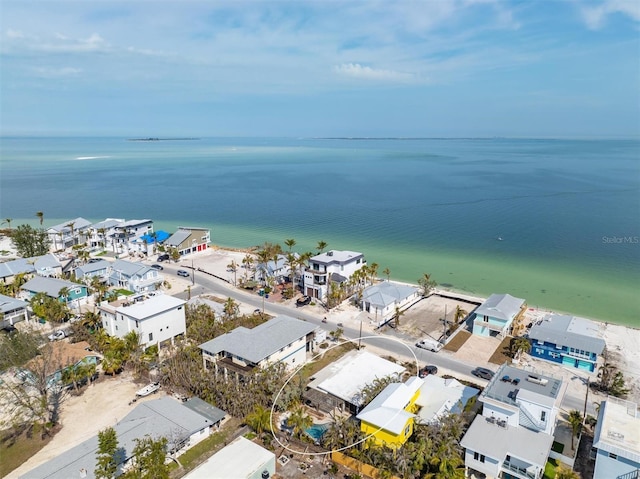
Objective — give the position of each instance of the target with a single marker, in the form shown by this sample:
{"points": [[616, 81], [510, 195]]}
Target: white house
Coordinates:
{"points": [[617, 440], [381, 300], [332, 266], [136, 277], [156, 319], [519, 414], [241, 459], [440, 396], [69, 233], [281, 339], [495, 317], [12, 311], [101, 234], [99, 269]]}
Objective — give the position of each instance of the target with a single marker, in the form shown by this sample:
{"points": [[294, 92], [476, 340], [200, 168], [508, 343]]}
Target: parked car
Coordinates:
{"points": [[483, 373], [429, 369], [163, 257], [303, 301], [183, 273], [56, 335], [95, 260], [157, 266], [430, 344]]}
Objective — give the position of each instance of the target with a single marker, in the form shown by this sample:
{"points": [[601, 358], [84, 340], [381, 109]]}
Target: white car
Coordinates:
{"points": [[430, 344], [56, 335]]}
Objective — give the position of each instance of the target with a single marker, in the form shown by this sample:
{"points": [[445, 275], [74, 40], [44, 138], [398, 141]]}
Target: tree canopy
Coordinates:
{"points": [[29, 241]]}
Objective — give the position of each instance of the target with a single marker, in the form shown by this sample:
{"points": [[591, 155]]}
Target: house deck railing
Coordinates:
{"points": [[512, 468]]}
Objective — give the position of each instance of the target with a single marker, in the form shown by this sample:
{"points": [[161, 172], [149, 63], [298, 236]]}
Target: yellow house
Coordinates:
{"points": [[390, 416]]}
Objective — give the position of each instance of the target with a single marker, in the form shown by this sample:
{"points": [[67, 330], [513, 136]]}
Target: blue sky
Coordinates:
{"points": [[325, 68]]}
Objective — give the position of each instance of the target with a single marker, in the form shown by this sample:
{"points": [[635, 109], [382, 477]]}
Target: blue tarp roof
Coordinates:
{"points": [[160, 236]]}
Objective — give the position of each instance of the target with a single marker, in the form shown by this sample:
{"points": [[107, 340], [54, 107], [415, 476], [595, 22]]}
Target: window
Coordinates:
{"points": [[150, 336], [407, 430], [613, 456], [539, 351], [543, 415], [478, 457], [179, 308]]}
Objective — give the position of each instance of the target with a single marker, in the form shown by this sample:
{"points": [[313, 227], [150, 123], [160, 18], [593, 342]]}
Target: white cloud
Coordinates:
{"points": [[595, 17], [45, 72], [356, 70]]}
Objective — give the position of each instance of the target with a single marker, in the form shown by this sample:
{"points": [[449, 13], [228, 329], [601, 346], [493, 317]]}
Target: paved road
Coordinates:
{"points": [[391, 341]]}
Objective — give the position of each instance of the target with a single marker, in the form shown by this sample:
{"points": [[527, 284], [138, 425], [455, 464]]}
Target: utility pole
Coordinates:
{"points": [[360, 337], [586, 395]]}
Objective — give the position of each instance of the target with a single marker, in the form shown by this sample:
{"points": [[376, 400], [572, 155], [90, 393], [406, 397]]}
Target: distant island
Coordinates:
{"points": [[162, 139]]}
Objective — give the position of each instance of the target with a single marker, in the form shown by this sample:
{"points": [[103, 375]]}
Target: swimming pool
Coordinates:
{"points": [[317, 430]]}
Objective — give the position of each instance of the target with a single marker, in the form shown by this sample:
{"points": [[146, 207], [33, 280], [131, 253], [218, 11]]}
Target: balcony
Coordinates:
{"points": [[518, 471]]}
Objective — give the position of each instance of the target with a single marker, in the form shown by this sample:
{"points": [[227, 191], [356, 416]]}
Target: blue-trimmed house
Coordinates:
{"points": [[77, 293], [495, 317], [567, 340]]}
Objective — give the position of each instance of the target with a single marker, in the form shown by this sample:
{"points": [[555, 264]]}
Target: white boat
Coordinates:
{"points": [[149, 389]]}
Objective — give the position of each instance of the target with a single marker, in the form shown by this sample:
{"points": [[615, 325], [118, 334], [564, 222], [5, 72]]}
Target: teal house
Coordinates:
{"points": [[495, 317], [76, 293]]}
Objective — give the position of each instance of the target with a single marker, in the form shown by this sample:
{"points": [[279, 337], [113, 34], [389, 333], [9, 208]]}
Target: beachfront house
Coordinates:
{"points": [[136, 277], [240, 351], [156, 319], [383, 299], [340, 384], [76, 294], [389, 417], [189, 240], [616, 441], [330, 267], [48, 265], [567, 340], [163, 417], [519, 414], [101, 233], [69, 233], [12, 311], [497, 315], [122, 239], [278, 269]]}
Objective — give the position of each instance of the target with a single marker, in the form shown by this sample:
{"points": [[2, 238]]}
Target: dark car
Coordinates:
{"points": [[483, 373], [157, 266], [303, 301], [425, 371], [183, 273], [163, 257]]}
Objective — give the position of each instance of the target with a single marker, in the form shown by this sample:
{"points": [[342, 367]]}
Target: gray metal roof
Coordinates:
{"points": [[387, 293], [49, 286], [8, 304], [163, 417], [570, 331], [129, 269], [500, 306], [78, 224], [92, 267], [16, 266], [107, 224], [215, 307], [497, 442], [262, 341], [205, 409], [339, 257], [177, 238]]}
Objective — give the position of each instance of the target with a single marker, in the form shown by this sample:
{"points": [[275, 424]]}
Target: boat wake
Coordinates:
{"points": [[91, 157]]}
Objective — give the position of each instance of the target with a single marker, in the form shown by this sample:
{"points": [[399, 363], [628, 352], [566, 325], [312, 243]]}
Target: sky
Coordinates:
{"points": [[436, 68]]}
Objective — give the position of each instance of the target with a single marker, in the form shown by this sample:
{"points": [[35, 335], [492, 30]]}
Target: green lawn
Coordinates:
{"points": [[14, 453]]}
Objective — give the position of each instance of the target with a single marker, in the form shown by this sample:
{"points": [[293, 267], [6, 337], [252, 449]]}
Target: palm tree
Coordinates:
{"points": [[373, 272], [91, 320], [247, 263], [300, 421], [575, 421], [290, 243], [40, 216], [427, 284], [321, 246], [230, 308], [71, 226], [233, 267], [64, 294], [8, 221], [387, 273], [519, 344], [459, 315], [260, 419], [397, 315]]}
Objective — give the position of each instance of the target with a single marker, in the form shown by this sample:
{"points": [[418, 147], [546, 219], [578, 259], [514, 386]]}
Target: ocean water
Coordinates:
{"points": [[556, 222]]}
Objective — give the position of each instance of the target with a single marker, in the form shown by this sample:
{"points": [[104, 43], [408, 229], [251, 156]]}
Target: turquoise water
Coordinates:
{"points": [[566, 212], [317, 431]]}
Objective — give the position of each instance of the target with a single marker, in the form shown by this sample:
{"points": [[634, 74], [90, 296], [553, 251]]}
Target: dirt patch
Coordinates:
{"points": [[427, 316], [458, 340], [499, 356]]}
